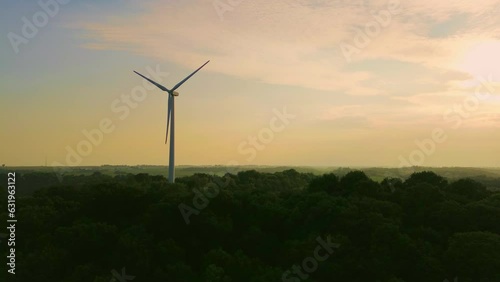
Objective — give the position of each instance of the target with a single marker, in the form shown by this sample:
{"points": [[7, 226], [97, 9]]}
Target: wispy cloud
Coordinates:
{"points": [[294, 42]]}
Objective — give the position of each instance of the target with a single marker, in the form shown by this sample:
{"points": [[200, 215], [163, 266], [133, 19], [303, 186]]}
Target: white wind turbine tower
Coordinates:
{"points": [[171, 119]]}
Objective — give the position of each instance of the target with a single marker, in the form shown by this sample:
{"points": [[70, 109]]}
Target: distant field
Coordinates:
{"points": [[376, 173], [34, 178]]}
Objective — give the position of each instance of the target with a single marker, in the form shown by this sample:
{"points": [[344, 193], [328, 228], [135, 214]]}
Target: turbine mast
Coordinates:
{"points": [[171, 163]]}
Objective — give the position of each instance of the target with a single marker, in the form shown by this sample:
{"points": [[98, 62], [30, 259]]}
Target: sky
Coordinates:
{"points": [[290, 82]]}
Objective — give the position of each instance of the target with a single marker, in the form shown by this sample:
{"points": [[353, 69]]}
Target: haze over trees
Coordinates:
{"points": [[259, 225]]}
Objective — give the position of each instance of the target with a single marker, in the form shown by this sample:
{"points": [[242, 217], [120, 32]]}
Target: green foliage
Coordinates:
{"points": [[475, 256], [467, 190], [327, 182], [257, 227], [428, 177]]}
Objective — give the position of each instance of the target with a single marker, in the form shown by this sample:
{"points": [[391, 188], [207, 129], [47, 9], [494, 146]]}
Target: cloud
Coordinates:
{"points": [[296, 42]]}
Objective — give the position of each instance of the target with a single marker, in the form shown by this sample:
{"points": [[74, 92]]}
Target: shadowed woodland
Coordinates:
{"points": [[423, 228]]}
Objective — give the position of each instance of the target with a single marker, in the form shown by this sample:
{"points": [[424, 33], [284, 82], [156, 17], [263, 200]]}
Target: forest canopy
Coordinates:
{"points": [[254, 226]]}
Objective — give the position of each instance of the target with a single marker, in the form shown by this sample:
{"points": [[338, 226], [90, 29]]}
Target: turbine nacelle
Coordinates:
{"points": [[175, 93]]}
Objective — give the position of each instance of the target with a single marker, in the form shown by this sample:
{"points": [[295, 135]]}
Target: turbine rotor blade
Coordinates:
{"points": [[169, 113], [185, 79], [157, 84]]}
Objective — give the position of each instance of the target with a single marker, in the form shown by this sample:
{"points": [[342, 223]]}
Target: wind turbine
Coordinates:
{"points": [[171, 119]]}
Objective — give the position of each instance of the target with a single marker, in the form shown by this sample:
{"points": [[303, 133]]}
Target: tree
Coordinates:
{"points": [[467, 190], [474, 256], [428, 177], [327, 182]]}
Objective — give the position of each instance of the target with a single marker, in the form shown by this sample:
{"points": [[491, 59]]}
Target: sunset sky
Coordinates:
{"points": [[369, 83]]}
